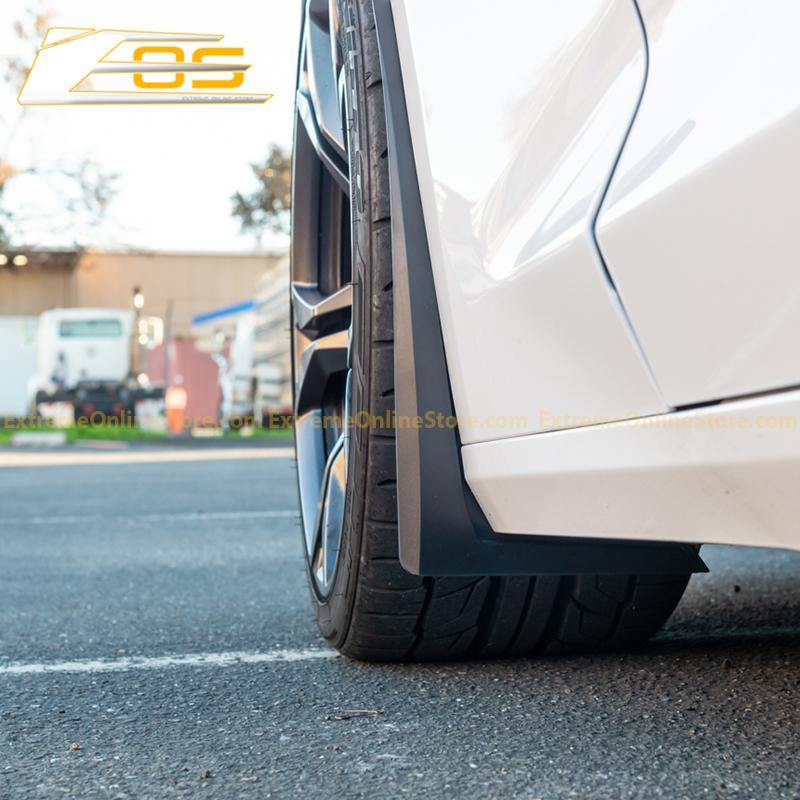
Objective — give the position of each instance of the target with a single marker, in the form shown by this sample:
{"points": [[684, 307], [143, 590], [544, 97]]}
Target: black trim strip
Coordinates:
{"points": [[442, 529]]}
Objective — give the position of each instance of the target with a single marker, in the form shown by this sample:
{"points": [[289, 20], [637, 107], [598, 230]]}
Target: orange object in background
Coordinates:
{"points": [[175, 401]]}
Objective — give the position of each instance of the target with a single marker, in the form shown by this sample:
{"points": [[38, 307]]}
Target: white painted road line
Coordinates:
{"points": [[135, 519], [74, 458], [230, 659]]}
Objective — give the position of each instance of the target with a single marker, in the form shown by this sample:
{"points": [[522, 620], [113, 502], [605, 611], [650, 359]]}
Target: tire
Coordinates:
{"points": [[375, 610]]}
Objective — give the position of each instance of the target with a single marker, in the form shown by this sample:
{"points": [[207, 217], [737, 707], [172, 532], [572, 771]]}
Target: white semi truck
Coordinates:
{"points": [[84, 362]]}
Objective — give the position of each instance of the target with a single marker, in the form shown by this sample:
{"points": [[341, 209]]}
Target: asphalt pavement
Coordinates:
{"points": [[156, 641]]}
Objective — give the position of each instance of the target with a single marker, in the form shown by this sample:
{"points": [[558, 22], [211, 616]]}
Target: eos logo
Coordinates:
{"points": [[198, 56], [91, 66]]}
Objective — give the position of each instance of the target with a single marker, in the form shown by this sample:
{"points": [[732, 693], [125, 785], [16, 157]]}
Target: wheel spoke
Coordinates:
{"points": [[319, 362], [323, 72], [310, 447], [315, 314], [334, 24], [330, 515], [319, 98], [327, 156]]}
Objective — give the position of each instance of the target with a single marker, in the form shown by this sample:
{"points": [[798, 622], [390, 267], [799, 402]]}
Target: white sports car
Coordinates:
{"points": [[546, 313]]}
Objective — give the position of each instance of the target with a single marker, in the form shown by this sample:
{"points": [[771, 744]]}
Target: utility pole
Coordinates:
{"points": [[138, 305], [167, 344]]}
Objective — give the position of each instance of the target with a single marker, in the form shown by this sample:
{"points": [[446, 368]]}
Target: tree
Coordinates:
{"points": [[83, 190], [268, 207]]}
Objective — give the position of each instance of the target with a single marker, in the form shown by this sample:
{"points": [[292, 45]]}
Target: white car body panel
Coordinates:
{"points": [[699, 228], [513, 158], [726, 475]]}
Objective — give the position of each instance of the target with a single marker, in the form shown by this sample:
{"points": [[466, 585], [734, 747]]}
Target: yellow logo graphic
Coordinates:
{"points": [[93, 66]]}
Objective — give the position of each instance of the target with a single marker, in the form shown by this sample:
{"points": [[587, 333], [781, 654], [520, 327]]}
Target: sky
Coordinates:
{"points": [[177, 165]]}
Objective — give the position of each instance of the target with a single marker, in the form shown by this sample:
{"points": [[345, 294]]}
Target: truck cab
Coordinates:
{"points": [[78, 345], [84, 361]]}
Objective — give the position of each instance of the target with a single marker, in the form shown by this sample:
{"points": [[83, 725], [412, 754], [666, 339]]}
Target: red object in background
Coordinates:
{"points": [[200, 378]]}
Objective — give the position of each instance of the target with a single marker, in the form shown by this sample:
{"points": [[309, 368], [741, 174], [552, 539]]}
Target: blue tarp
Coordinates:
{"points": [[225, 311]]}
